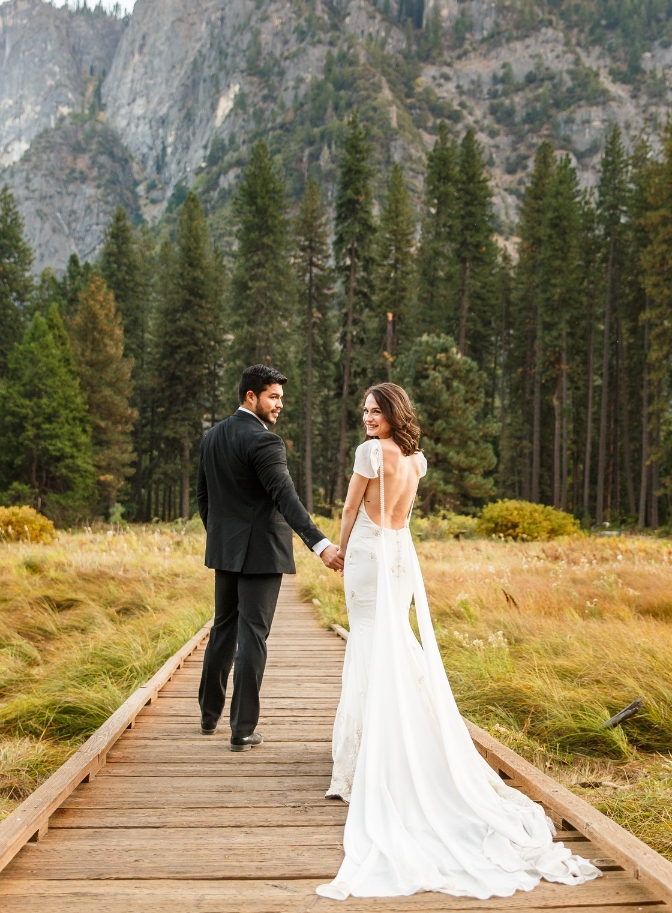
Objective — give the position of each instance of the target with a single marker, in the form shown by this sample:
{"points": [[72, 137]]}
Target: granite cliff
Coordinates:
{"points": [[95, 111]]}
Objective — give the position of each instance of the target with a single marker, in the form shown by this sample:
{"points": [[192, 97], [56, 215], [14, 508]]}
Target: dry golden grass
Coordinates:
{"points": [[83, 622], [542, 643]]}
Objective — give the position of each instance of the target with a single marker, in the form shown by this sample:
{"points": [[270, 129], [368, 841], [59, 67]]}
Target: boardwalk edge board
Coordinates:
{"points": [[638, 859], [30, 820]]}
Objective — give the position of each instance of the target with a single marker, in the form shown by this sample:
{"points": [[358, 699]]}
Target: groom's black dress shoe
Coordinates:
{"points": [[244, 743], [208, 728]]}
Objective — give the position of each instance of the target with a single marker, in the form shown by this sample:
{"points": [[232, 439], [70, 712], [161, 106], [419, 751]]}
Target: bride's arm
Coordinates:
{"points": [[353, 499]]}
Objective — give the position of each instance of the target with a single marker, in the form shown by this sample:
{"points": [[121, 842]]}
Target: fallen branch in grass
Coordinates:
{"points": [[623, 715]]}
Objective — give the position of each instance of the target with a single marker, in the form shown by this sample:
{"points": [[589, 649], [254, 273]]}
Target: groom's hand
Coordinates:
{"points": [[331, 558]]}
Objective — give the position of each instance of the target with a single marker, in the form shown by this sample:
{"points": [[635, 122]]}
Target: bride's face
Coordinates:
{"points": [[375, 423]]}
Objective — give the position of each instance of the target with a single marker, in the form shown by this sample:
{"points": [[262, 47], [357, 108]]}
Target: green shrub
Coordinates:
{"points": [[526, 521], [24, 524]]}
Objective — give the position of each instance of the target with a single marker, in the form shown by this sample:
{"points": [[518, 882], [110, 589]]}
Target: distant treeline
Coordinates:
{"points": [[546, 379]]}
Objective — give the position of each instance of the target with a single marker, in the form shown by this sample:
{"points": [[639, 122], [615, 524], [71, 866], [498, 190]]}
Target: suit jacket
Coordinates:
{"points": [[247, 500]]}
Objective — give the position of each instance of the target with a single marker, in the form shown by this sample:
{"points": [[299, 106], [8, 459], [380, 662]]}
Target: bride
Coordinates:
{"points": [[426, 812]]}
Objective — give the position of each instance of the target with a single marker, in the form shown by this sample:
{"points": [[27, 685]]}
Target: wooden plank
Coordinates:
{"points": [[282, 895], [215, 748], [33, 814], [121, 817], [205, 799], [188, 786], [158, 860], [271, 733], [193, 769], [219, 744]]}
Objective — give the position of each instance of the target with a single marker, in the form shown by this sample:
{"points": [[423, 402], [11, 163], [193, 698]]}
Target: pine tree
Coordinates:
{"points": [[16, 284], [657, 264], [591, 293], [436, 256], [45, 439], [216, 349], [637, 302], [261, 281], [611, 206], [353, 255], [47, 291], [448, 392], [561, 278], [74, 281], [314, 279], [98, 345], [395, 276], [475, 252], [123, 265], [183, 375], [530, 315]]}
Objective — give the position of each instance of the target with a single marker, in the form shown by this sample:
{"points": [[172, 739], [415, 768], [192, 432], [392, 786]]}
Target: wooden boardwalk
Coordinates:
{"points": [[175, 821]]}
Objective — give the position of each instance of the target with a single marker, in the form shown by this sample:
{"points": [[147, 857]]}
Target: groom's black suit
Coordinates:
{"points": [[248, 503]]}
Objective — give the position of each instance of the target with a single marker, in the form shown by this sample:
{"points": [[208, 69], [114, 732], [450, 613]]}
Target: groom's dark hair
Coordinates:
{"points": [[257, 378]]}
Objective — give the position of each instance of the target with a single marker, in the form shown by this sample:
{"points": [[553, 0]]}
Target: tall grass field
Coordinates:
{"points": [[544, 642], [85, 621]]}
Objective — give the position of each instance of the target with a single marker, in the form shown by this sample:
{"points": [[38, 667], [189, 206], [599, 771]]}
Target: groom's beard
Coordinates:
{"points": [[266, 415]]}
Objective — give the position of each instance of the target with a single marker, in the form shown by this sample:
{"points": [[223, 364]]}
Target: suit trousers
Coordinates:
{"points": [[244, 610]]}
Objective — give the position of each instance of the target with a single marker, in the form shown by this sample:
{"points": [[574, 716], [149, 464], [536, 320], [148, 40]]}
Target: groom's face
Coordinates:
{"points": [[267, 405]]}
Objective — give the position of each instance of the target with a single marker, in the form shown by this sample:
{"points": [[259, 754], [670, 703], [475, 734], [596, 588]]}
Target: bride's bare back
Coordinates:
{"points": [[402, 474]]}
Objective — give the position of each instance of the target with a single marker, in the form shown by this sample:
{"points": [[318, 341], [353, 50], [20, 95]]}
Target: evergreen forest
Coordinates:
{"points": [[540, 367]]}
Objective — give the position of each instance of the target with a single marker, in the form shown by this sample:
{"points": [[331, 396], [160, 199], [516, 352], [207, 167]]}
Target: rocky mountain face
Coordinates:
{"points": [[95, 111], [46, 55], [52, 64]]}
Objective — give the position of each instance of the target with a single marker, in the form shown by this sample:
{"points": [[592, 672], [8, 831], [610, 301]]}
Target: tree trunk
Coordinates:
{"points": [[589, 418], [502, 403], [389, 344], [343, 439], [139, 457], [557, 438], [529, 375], [565, 435], [536, 422], [623, 381], [641, 521], [655, 472], [464, 307], [309, 398], [602, 452], [184, 481]]}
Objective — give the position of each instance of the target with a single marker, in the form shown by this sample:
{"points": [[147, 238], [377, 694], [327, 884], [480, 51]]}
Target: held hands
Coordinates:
{"points": [[331, 557]]}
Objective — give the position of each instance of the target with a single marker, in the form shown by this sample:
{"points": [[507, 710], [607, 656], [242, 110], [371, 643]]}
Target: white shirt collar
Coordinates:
{"points": [[249, 412]]}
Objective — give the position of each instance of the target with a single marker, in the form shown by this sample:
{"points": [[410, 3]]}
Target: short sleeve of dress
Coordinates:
{"points": [[367, 459], [423, 465]]}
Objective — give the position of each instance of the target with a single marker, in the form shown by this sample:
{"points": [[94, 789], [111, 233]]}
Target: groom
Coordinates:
{"points": [[248, 503]]}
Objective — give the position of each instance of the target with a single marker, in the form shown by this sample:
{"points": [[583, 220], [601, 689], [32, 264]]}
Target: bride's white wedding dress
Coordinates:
{"points": [[426, 812]]}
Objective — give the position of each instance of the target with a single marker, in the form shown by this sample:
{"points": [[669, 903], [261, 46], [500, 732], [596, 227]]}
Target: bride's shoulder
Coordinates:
{"points": [[367, 458], [368, 446], [422, 459]]}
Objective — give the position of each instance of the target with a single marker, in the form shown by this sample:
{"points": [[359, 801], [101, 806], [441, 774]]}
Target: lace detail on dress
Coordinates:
{"points": [[343, 773]]}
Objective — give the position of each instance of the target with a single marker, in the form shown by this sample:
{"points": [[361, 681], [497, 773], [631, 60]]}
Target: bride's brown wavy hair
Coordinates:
{"points": [[393, 401]]}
